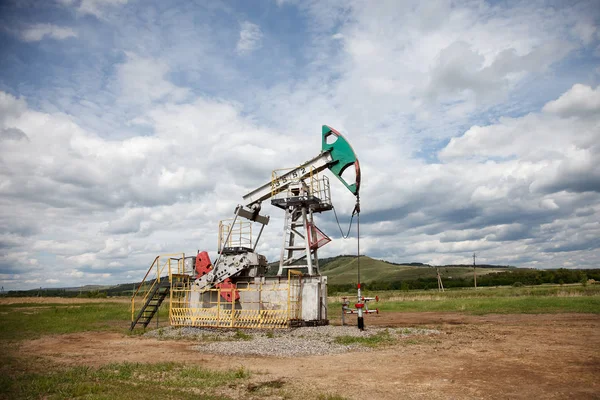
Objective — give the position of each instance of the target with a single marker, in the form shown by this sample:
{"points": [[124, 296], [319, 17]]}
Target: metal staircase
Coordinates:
{"points": [[150, 294], [155, 297]]}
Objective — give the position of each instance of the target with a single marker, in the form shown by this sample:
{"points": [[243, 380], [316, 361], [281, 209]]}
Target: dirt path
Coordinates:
{"points": [[495, 356]]}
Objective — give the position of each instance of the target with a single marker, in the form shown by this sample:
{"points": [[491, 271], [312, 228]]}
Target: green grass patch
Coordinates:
{"points": [[239, 335], [499, 305], [30, 321], [501, 291], [123, 381], [504, 291], [379, 339], [502, 300]]}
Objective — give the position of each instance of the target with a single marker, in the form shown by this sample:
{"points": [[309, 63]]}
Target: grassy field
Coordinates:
{"points": [[501, 305], [342, 270], [122, 381], [30, 320], [502, 300], [24, 376], [21, 321], [28, 377], [573, 290]]}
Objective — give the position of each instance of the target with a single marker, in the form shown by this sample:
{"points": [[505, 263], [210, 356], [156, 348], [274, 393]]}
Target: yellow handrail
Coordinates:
{"points": [[159, 271]]}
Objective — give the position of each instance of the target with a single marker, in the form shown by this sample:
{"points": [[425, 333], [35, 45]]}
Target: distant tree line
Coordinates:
{"points": [[41, 293], [118, 290], [418, 264], [515, 277]]}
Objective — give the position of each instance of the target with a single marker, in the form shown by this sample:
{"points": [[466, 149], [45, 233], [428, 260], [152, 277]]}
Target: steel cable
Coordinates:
{"points": [[339, 226]]}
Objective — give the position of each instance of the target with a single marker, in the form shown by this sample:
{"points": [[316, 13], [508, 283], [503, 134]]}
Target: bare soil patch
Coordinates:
{"points": [[546, 356]]}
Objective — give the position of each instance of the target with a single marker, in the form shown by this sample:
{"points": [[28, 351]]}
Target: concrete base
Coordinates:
{"points": [[303, 299]]}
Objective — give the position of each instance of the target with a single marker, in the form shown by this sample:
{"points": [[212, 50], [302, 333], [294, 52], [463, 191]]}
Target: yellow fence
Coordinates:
{"points": [[274, 303], [271, 304]]}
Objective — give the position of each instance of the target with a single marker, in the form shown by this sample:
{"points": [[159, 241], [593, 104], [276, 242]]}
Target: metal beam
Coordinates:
{"points": [[316, 165]]}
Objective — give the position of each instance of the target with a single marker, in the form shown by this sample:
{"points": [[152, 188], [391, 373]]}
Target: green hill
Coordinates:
{"points": [[342, 270]]}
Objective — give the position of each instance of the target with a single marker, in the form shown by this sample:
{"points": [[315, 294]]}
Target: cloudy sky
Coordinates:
{"points": [[129, 128]]}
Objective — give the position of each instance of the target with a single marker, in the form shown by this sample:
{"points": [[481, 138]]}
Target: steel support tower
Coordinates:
{"points": [[301, 238]]}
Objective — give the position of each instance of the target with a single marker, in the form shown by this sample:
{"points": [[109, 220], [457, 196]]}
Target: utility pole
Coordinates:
{"points": [[474, 272], [439, 279]]}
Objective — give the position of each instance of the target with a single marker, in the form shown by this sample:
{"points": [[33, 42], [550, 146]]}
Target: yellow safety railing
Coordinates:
{"points": [[156, 271], [241, 234], [278, 182], [322, 190], [261, 305], [315, 183]]}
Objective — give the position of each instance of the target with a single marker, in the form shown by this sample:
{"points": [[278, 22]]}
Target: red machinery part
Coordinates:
{"points": [[203, 266], [359, 305], [228, 290], [317, 240]]}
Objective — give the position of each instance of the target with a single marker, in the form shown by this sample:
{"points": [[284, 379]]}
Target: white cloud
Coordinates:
{"points": [[130, 192], [75, 273], [98, 7], [547, 136], [545, 175], [406, 68], [37, 32], [580, 100], [459, 68], [250, 38], [116, 160], [142, 81], [585, 30]]}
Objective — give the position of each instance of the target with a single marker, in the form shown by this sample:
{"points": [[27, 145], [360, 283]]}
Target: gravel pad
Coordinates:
{"points": [[305, 341]]}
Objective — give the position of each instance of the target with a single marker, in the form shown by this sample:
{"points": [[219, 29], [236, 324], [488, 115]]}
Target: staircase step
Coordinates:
{"points": [[156, 297]]}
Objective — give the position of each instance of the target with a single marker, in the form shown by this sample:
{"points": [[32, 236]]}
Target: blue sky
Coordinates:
{"points": [[130, 128]]}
